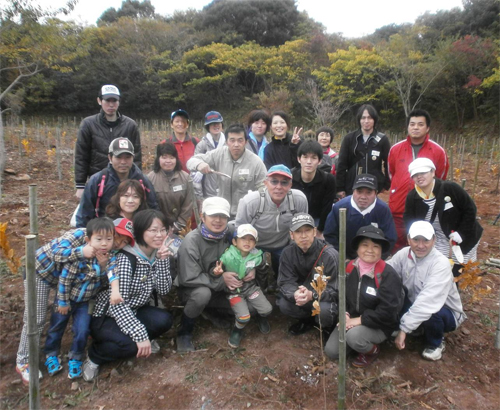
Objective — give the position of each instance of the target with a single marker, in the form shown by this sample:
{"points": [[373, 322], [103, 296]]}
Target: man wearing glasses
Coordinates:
{"points": [[271, 212], [96, 133]]}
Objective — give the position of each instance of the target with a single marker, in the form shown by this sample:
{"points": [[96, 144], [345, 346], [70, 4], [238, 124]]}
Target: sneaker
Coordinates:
{"points": [[155, 347], [185, 344], [89, 370], [301, 327], [24, 371], [434, 353], [235, 338], [53, 365], [264, 325], [365, 359], [75, 369]]}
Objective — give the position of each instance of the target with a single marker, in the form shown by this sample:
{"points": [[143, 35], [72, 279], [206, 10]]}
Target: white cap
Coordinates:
{"points": [[109, 91], [246, 229], [421, 165], [216, 205], [421, 228]]}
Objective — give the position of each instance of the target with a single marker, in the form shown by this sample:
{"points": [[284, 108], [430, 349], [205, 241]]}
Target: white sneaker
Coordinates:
{"points": [[89, 370], [155, 347], [434, 353], [24, 371]]}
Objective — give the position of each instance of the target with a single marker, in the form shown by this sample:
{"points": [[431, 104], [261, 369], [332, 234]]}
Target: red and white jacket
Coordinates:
{"points": [[400, 156]]}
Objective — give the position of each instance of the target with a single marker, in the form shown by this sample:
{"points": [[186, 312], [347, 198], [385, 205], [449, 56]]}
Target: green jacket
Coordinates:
{"points": [[234, 262]]}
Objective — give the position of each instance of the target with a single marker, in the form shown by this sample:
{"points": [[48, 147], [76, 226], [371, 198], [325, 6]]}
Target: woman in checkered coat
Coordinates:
{"points": [[127, 329]]}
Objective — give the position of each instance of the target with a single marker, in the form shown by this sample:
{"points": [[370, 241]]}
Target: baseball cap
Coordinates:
{"points": [[125, 227], [216, 205], [279, 170], [181, 112], [109, 91], [300, 220], [371, 232], [121, 145], [365, 181], [420, 165], [421, 228], [246, 229], [213, 116]]}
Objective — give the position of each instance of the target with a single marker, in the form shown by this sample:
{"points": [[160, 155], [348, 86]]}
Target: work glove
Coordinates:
{"points": [[455, 237]]}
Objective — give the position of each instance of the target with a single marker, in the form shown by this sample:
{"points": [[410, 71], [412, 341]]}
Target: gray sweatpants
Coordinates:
{"points": [[359, 338], [42, 301]]}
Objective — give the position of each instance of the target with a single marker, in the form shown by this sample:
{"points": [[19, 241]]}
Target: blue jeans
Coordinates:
{"points": [[438, 324], [81, 330], [110, 343]]}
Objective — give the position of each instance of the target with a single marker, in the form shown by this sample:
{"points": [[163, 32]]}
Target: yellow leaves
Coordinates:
{"points": [[494, 170], [319, 285], [12, 261], [470, 279], [51, 153], [456, 173], [26, 145]]}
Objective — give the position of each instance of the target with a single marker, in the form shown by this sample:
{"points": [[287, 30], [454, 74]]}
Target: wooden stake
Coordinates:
{"points": [[342, 310], [58, 153], [33, 336]]}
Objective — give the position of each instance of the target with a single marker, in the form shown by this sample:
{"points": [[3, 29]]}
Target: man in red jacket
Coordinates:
{"points": [[416, 145]]}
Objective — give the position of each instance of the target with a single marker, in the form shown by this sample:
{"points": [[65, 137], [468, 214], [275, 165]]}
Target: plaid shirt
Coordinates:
{"points": [[136, 289], [51, 257], [81, 280]]}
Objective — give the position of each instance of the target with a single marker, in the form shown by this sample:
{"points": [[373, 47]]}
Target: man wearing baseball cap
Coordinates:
{"points": [[271, 212], [199, 251], [103, 185], [96, 133], [297, 270], [363, 208], [434, 304]]}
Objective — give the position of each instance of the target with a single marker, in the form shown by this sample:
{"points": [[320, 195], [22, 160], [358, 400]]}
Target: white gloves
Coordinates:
{"points": [[455, 236], [197, 177]]}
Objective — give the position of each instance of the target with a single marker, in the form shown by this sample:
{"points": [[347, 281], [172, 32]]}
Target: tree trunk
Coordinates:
{"points": [[3, 155]]}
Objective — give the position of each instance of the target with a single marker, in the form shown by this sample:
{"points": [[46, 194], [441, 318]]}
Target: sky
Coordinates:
{"points": [[353, 18]]}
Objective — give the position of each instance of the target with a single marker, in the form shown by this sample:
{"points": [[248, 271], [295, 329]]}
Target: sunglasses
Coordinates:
{"points": [[282, 182]]}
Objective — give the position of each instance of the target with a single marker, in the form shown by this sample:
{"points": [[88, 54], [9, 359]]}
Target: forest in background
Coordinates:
{"points": [[234, 56]]}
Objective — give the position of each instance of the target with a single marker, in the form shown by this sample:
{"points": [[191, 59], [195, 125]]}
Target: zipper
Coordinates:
{"points": [[359, 290]]}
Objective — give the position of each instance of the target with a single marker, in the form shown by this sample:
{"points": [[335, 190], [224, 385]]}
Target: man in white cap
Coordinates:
{"points": [[103, 185], [297, 271], [433, 304], [199, 251], [96, 133]]}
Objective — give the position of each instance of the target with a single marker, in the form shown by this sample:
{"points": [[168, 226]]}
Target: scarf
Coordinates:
{"points": [[365, 267], [207, 234], [220, 143], [422, 194]]}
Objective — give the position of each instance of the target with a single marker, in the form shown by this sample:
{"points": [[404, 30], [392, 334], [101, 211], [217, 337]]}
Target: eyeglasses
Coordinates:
{"points": [[282, 182], [155, 232]]}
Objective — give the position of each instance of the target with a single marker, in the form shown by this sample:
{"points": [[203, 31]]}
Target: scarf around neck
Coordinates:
{"points": [[207, 234]]}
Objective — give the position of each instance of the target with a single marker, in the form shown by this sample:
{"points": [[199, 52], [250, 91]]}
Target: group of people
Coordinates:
{"points": [[255, 196]]}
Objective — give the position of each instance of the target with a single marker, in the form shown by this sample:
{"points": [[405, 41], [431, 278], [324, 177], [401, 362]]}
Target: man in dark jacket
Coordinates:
{"points": [[297, 271], [103, 185], [363, 151], [318, 186], [363, 208], [96, 133]]}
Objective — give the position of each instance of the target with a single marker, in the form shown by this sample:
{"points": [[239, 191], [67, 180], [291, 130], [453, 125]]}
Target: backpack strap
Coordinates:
{"points": [[260, 210], [349, 267], [144, 188], [291, 202], [100, 191], [315, 263], [377, 274]]}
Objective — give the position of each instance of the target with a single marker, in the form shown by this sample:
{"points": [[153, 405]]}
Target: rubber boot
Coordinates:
{"points": [[235, 337], [185, 335]]}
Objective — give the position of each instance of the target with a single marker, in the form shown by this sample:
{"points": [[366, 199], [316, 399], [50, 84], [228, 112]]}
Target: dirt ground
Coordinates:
{"points": [[274, 371]]}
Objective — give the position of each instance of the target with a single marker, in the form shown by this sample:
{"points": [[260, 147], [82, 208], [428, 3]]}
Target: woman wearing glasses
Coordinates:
{"points": [[129, 328]]}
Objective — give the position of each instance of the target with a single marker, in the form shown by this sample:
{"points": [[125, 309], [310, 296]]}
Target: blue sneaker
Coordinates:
{"points": [[75, 369], [53, 365]]}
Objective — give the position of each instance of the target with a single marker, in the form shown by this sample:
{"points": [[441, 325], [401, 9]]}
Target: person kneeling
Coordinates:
{"points": [[374, 296], [242, 257], [297, 270]]}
